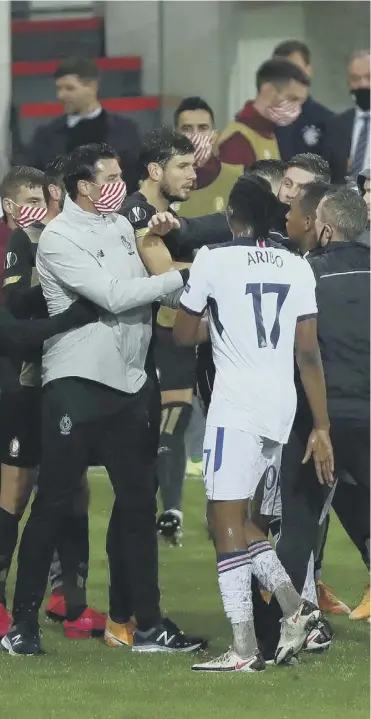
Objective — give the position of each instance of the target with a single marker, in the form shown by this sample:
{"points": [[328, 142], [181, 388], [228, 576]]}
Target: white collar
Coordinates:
{"points": [[361, 114], [73, 212], [73, 120]]}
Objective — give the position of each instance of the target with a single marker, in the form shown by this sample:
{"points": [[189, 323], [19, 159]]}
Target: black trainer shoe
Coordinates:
{"points": [[23, 638], [167, 638], [169, 527]]}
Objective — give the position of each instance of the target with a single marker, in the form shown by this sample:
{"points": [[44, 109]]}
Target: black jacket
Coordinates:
{"points": [[22, 339], [307, 133], [342, 271], [195, 232], [337, 144], [51, 140]]}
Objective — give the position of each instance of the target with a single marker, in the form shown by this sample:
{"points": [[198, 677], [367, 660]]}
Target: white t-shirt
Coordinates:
{"points": [[254, 297]]}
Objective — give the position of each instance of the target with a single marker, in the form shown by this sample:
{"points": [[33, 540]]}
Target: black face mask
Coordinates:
{"points": [[279, 220], [362, 98]]}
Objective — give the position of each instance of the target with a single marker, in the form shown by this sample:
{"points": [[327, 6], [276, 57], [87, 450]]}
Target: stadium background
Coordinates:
{"points": [[157, 53], [165, 51]]}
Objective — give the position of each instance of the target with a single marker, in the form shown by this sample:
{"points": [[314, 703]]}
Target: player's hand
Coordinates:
{"points": [[162, 223], [320, 448], [80, 313]]}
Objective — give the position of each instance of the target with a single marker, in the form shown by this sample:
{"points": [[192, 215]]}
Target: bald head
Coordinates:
{"points": [[359, 69], [341, 216]]}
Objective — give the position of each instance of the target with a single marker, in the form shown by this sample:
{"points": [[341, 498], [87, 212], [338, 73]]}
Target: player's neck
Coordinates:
{"points": [[53, 211], [153, 195], [10, 221], [260, 106]]}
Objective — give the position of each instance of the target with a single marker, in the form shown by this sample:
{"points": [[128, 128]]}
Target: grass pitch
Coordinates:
{"points": [[87, 680]]}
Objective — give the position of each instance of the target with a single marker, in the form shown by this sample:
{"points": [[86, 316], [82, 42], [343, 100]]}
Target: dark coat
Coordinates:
{"points": [[337, 145], [51, 140], [307, 133]]}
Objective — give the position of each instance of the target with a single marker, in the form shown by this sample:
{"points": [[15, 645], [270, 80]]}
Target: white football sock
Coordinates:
{"points": [[270, 572], [234, 574]]}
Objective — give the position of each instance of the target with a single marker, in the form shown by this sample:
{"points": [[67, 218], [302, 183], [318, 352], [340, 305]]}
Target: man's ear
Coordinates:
{"points": [[83, 188], [216, 135], [308, 223], [7, 205], [55, 192], [155, 171]]}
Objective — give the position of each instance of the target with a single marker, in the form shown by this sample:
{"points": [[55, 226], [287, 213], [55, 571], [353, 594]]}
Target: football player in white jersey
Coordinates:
{"points": [[260, 301]]}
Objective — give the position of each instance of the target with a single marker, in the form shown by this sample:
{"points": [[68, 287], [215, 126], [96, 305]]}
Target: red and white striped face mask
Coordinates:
{"points": [[203, 144], [285, 113], [28, 214], [112, 195]]}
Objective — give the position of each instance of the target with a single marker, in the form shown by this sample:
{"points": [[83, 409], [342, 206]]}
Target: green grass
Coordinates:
{"points": [[87, 680]]}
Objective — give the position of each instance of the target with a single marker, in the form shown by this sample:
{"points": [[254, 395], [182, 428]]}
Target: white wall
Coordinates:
{"points": [[333, 30], [214, 48], [183, 44], [260, 27], [132, 27], [5, 84]]}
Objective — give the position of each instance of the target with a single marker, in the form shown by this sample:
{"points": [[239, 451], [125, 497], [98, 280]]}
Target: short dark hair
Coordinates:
{"points": [[289, 47], [19, 176], [81, 164], [311, 163], [346, 212], [271, 170], [83, 67], [160, 146], [253, 204], [311, 195], [280, 71], [192, 103], [53, 175], [363, 177]]}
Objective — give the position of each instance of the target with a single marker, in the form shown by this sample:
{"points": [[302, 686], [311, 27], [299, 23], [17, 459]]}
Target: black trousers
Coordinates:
{"points": [[120, 597], [81, 419], [352, 497], [304, 502]]}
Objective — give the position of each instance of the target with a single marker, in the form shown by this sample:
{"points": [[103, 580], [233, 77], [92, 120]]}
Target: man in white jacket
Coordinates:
{"points": [[95, 403]]}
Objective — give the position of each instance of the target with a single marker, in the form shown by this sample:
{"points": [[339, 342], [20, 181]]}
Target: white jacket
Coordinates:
{"points": [[93, 256]]}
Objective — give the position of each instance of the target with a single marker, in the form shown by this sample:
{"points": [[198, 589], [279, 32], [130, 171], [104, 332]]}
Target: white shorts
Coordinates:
{"points": [[234, 461], [271, 502]]}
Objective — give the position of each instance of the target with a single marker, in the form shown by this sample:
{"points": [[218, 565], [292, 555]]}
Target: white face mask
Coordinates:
{"points": [[28, 214], [203, 144], [285, 113], [112, 195]]}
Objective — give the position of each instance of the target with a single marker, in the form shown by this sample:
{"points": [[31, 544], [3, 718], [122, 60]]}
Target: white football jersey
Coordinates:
{"points": [[254, 296]]}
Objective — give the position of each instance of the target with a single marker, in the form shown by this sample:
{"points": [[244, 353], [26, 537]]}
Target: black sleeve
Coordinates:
{"points": [[195, 232], [34, 153], [138, 213], [19, 263], [23, 339]]}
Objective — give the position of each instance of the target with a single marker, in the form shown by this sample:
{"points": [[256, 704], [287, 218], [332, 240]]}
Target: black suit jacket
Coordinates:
{"points": [[337, 144], [122, 134]]}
